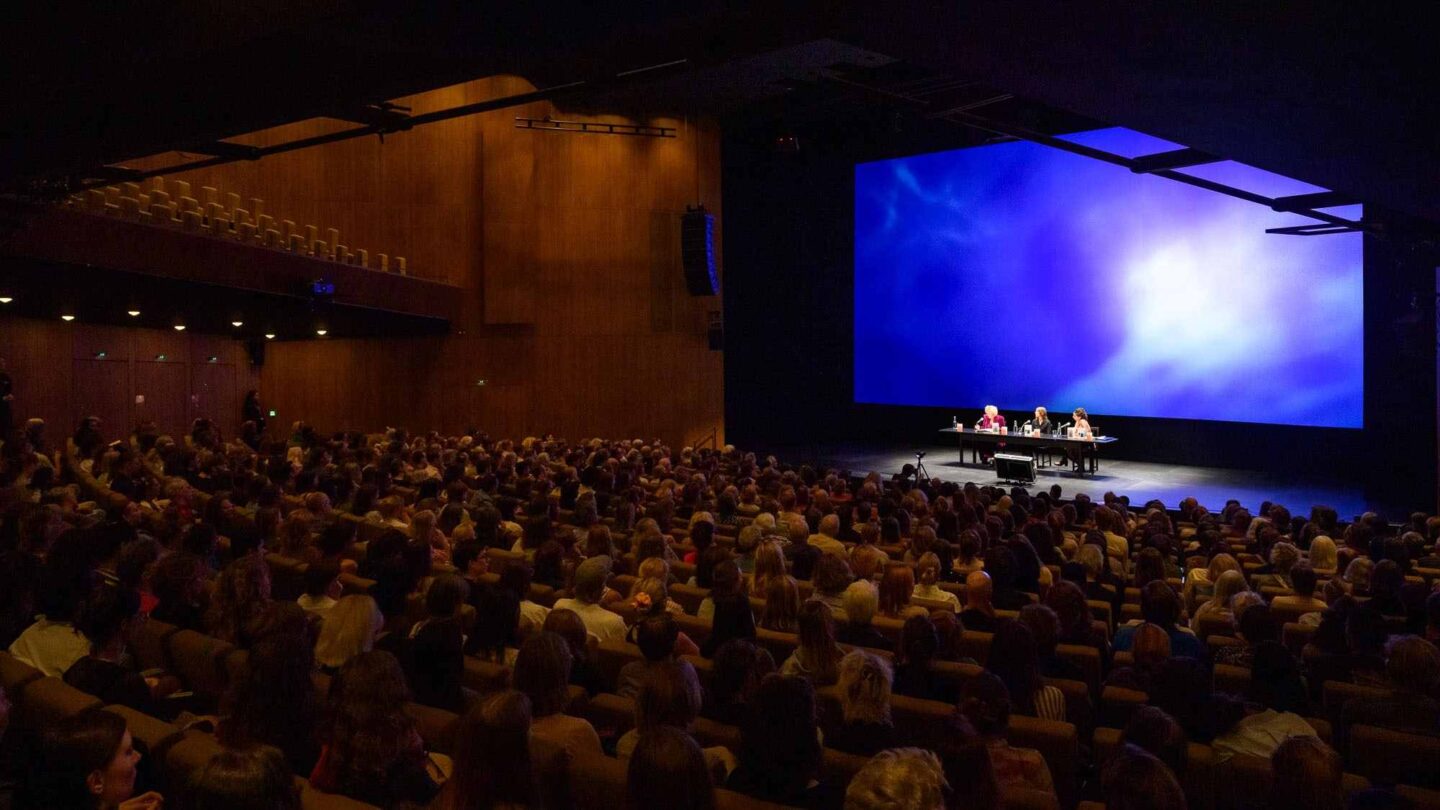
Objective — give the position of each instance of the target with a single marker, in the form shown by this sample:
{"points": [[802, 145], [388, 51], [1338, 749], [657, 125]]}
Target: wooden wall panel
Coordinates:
{"points": [[165, 387], [102, 388], [565, 247], [59, 379]]}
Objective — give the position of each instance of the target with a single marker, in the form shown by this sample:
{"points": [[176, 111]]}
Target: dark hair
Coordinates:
{"points": [[1275, 680], [669, 695], [70, 751], [1013, 659], [447, 593], [1303, 579], [542, 672], [667, 769], [985, 702], [733, 619], [778, 745], [919, 642], [251, 779], [1159, 604], [273, 701], [1157, 733], [739, 667], [1135, 780], [655, 635], [492, 755], [105, 614], [319, 576], [366, 727]]}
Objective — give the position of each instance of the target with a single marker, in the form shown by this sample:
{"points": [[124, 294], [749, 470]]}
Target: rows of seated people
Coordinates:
{"points": [[460, 622]]}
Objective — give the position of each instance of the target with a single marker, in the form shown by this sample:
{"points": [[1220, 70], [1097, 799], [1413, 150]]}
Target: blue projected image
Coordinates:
{"points": [[1020, 275]]}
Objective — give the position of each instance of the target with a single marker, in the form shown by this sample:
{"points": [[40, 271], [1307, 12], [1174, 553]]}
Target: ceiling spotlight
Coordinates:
{"points": [[320, 332], [67, 318], [237, 324], [269, 335], [5, 299], [179, 327], [134, 313]]}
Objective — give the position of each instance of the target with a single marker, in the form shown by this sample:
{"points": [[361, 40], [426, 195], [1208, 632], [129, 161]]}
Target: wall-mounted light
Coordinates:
{"points": [[481, 382], [237, 324], [161, 358], [269, 335], [134, 313], [101, 355], [212, 359], [321, 332], [67, 318], [5, 299], [179, 327]]}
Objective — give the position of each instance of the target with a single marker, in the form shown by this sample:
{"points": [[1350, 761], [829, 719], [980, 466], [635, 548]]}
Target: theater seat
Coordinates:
{"points": [[485, 676], [147, 641], [436, 726], [1018, 798], [1085, 657], [1198, 781], [47, 701], [1394, 757], [1118, 704], [199, 661], [1249, 777], [689, 596], [611, 657], [1295, 636], [15, 675], [153, 736], [1419, 798], [313, 799], [1337, 693], [189, 755]]}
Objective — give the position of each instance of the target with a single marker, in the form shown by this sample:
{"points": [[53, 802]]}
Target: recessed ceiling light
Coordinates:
{"points": [[67, 318], [5, 299], [134, 313], [320, 332], [269, 335], [237, 324], [179, 327]]}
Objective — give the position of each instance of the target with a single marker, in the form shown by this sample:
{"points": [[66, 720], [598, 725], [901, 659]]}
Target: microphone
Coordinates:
{"points": [[1067, 424]]}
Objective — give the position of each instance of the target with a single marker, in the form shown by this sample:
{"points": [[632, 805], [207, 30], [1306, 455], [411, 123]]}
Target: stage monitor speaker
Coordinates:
{"points": [[1020, 469], [697, 251]]}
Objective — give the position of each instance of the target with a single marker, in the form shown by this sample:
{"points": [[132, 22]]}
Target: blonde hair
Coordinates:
{"points": [[1322, 554], [865, 688], [349, 629], [769, 564], [928, 561], [899, 777], [1227, 586]]}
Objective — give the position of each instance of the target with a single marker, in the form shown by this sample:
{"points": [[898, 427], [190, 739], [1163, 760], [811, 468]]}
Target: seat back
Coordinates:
{"points": [[147, 641], [1394, 757], [199, 661], [1085, 657], [15, 675], [689, 596], [48, 701], [287, 576], [611, 657], [436, 726]]}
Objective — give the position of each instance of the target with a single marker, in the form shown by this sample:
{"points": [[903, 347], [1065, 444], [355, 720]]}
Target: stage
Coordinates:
{"points": [[1140, 480]]}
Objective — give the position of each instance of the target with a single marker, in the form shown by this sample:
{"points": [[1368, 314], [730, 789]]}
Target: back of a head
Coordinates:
{"points": [[777, 735], [1159, 604], [107, 613], [1151, 729], [252, 779], [1413, 665], [985, 702], [1013, 658], [739, 668], [1044, 626], [670, 695], [861, 601], [542, 672], [1308, 776], [655, 635], [447, 593], [864, 685], [898, 779], [319, 576], [1135, 780], [492, 754], [667, 769]]}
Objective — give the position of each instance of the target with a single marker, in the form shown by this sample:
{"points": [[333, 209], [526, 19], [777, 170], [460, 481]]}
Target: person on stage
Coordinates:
{"points": [[1082, 431], [1041, 422], [992, 420], [251, 411]]}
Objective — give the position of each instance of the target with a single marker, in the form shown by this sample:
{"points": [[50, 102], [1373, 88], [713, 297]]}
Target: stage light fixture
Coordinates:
{"points": [[5, 299], [237, 324], [67, 318], [179, 327], [321, 332], [134, 313], [269, 335]]}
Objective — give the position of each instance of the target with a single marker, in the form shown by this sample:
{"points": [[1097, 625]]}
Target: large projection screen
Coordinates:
{"points": [[1020, 275]]}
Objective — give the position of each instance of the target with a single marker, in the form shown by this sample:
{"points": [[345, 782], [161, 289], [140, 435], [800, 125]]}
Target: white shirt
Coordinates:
{"points": [[934, 593], [532, 615], [319, 605], [50, 647], [599, 622]]}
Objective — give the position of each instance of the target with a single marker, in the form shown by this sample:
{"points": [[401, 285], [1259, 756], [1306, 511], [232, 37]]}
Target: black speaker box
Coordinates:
{"points": [[697, 252], [256, 349]]}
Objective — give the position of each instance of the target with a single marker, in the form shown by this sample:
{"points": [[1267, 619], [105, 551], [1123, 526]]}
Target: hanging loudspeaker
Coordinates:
{"points": [[697, 251]]}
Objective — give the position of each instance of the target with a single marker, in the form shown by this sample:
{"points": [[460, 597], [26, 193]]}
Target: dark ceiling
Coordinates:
{"points": [[1337, 94]]}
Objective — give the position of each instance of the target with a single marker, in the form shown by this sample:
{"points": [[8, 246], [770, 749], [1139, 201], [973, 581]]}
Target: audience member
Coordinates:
{"points": [[542, 672]]}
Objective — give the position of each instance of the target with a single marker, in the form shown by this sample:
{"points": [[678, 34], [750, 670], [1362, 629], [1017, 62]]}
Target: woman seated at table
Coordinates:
{"points": [[1041, 423], [1082, 431], [992, 420]]}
